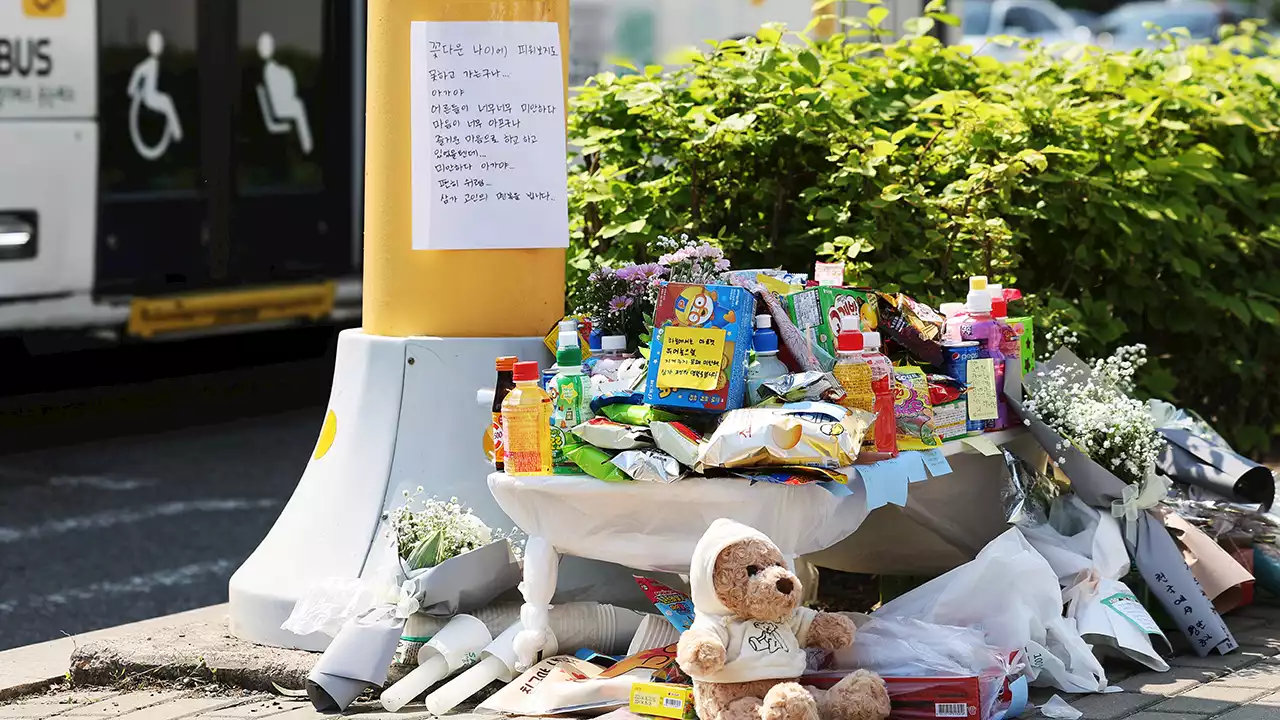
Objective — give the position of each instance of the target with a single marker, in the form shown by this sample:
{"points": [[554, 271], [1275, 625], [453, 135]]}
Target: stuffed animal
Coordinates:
{"points": [[745, 649]]}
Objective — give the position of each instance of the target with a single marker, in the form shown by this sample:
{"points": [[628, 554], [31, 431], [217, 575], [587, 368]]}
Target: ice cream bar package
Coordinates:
{"points": [[595, 462], [648, 465], [605, 433], [913, 411], [636, 414], [674, 605], [678, 440], [804, 434]]}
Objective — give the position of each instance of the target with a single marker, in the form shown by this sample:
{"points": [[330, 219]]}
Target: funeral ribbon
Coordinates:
{"points": [[1135, 500]]}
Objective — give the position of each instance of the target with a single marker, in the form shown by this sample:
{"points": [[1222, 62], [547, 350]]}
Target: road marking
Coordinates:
{"points": [[99, 482], [125, 516], [150, 582]]}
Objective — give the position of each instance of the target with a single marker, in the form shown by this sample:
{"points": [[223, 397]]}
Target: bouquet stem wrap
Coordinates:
{"points": [[1148, 541]]}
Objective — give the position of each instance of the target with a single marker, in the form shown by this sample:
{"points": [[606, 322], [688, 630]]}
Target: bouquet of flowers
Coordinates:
{"points": [[1093, 411], [689, 261], [619, 300], [429, 531]]}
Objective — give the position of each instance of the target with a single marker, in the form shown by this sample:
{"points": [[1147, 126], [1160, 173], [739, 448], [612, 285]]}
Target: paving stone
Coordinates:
{"points": [[1264, 637], [256, 707], [1263, 675], [1251, 712], [1239, 625], [50, 705], [181, 708], [1112, 706], [1176, 680], [284, 711], [1209, 699], [122, 704], [1146, 715], [1231, 661]]}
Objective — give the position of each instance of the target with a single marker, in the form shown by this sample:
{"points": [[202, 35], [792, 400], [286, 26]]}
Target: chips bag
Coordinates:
{"points": [[807, 434], [913, 411]]}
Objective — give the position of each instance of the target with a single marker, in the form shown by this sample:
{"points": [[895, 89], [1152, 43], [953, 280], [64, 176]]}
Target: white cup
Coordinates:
{"points": [[456, 645]]}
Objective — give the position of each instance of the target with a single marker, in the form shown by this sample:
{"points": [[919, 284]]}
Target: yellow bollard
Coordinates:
{"points": [[441, 293]]}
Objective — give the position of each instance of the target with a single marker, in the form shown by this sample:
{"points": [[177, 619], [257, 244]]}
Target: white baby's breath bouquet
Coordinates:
{"points": [[429, 531], [1095, 412]]}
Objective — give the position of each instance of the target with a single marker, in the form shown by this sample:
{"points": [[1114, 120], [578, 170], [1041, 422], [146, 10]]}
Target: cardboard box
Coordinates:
{"points": [[923, 698], [724, 311], [662, 700], [822, 312]]}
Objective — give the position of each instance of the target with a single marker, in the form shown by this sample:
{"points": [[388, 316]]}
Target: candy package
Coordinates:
{"points": [[913, 411], [944, 389], [595, 462], [806, 434], [636, 414], [679, 441], [803, 387], [914, 326], [793, 475], [605, 433], [674, 605], [649, 465]]}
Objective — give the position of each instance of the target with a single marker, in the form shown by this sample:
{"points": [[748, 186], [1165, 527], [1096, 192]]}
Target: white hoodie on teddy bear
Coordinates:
{"points": [[754, 650]]}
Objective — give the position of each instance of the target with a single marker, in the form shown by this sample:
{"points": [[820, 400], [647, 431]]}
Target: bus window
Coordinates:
{"points": [[280, 127], [150, 96]]}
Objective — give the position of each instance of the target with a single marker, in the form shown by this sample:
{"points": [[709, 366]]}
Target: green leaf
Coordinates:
{"points": [[877, 15], [636, 225], [946, 19], [809, 62], [427, 552], [918, 25], [880, 148], [1264, 311], [1178, 74]]}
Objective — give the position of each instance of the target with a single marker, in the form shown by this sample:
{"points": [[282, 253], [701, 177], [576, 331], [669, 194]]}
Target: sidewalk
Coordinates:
{"points": [[1244, 685]]}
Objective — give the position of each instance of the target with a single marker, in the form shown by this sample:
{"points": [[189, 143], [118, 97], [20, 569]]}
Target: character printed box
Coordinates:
{"points": [[821, 313], [698, 350]]}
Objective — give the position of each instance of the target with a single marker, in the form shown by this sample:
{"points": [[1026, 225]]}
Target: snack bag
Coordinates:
{"points": [[806, 434], [674, 605], [595, 462], [913, 411], [679, 441], [802, 387], [605, 433], [649, 465], [912, 325]]}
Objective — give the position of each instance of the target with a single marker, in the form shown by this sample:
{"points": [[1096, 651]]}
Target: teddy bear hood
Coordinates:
{"points": [[720, 535]]}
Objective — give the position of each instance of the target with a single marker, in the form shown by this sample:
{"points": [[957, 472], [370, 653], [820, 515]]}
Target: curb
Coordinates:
{"points": [[33, 668]]}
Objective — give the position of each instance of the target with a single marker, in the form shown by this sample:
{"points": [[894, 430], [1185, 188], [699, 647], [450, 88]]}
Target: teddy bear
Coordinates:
{"points": [[746, 647]]}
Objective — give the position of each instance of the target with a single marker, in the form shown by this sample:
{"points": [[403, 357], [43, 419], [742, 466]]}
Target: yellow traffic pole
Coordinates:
{"points": [[441, 293]]}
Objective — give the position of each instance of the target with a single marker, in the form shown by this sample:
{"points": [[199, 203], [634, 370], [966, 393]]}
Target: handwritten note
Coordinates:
{"points": [[913, 464], [691, 358], [982, 445], [829, 274], [982, 389], [487, 136], [936, 462]]}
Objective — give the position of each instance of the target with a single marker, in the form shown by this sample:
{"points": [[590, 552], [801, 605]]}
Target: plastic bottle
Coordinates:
{"points": [[767, 365], [610, 356], [952, 314], [858, 372], [981, 327], [526, 424], [886, 428], [571, 405], [505, 366], [1010, 335]]}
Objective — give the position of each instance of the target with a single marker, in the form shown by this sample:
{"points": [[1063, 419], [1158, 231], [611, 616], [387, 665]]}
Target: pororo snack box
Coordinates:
{"points": [[731, 309], [823, 312]]}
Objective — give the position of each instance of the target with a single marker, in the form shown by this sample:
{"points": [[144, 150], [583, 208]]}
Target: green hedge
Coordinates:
{"points": [[1133, 197]]}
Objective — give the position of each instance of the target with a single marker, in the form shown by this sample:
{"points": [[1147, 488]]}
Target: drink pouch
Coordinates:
{"points": [[595, 462], [648, 465], [913, 411], [803, 387], [605, 433], [912, 325], [636, 414], [807, 434], [679, 441]]}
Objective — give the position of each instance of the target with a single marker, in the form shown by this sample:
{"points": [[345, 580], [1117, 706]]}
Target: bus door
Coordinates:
{"points": [[227, 143]]}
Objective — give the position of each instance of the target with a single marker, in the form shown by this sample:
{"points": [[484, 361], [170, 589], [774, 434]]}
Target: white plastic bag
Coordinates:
{"points": [[1010, 593], [1085, 548]]}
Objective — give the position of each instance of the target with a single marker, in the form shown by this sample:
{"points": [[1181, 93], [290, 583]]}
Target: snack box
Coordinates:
{"points": [[729, 308], [663, 700], [1026, 342], [822, 312], [929, 698]]}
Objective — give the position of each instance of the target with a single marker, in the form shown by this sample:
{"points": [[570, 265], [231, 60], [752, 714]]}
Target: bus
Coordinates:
{"points": [[179, 167]]}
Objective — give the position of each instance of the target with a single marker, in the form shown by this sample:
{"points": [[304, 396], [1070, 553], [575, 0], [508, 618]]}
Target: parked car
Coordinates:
{"points": [[1039, 19], [1124, 28]]}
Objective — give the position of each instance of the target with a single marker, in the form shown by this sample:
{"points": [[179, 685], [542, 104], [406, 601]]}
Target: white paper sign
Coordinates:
{"points": [[488, 136]]}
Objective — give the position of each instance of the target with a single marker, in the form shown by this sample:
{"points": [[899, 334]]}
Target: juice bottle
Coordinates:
{"points": [[767, 365], [953, 314], [571, 401], [854, 369], [981, 327], [611, 355], [886, 427], [526, 424], [506, 367]]}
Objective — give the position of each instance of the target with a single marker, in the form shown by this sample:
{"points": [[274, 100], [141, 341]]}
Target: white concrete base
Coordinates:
{"points": [[406, 415]]}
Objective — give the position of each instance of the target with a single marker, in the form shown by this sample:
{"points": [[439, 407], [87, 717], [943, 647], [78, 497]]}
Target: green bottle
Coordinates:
{"points": [[572, 406]]}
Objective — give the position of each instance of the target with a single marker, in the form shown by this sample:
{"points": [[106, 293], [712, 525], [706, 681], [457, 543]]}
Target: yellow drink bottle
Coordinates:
{"points": [[526, 424]]}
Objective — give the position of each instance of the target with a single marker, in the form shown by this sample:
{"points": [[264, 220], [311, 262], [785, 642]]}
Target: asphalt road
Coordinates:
{"points": [[134, 481]]}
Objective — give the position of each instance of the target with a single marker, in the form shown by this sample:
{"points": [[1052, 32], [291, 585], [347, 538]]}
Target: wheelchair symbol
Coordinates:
{"points": [[282, 109], [143, 88]]}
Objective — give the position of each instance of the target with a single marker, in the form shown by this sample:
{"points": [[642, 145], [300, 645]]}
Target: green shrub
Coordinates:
{"points": [[1133, 197]]}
